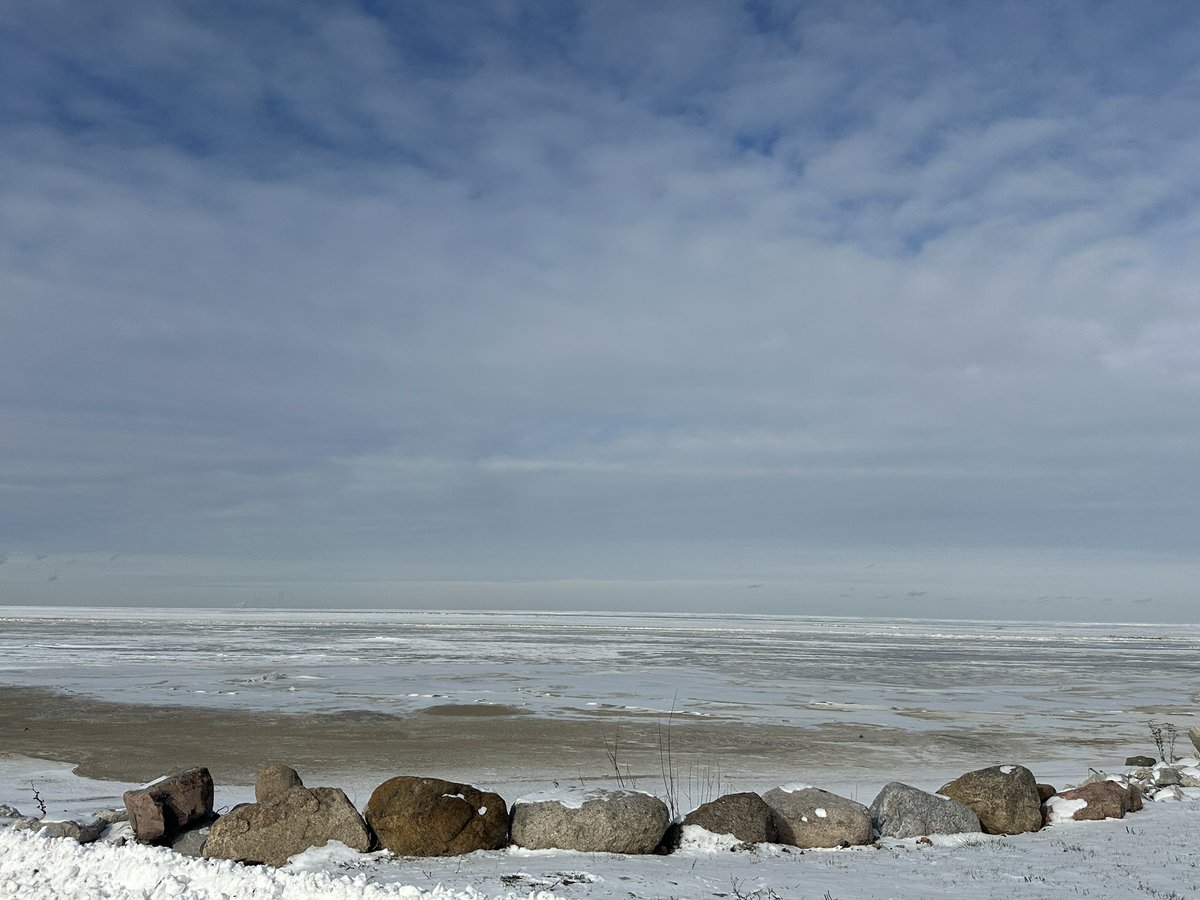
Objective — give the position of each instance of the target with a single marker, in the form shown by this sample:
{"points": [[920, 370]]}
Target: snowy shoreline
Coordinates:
{"points": [[1148, 853]]}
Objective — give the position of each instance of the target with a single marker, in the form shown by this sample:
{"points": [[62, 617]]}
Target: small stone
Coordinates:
{"points": [[1140, 762]]}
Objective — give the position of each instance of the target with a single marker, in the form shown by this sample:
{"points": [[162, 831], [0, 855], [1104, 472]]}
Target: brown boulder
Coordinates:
{"points": [[1005, 798], [1046, 791], [415, 816], [1100, 800], [746, 816], [272, 831], [162, 809]]}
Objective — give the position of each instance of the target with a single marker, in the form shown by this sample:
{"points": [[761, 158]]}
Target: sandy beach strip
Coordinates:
{"points": [[133, 743]]}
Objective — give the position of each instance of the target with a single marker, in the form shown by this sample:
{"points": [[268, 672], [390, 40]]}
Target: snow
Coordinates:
{"points": [[1149, 853], [1007, 770], [1061, 809], [821, 814]]}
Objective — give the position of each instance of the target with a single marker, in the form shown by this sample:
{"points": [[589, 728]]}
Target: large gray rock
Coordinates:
{"points": [[745, 816], [1005, 798], [415, 816], [271, 832], [163, 808], [902, 811], [274, 780], [810, 817], [599, 821], [1194, 734]]}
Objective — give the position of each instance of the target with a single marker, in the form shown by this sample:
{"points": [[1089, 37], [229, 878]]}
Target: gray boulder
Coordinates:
{"points": [[163, 808], [271, 832], [810, 817], [600, 821], [9, 812], [1194, 734], [902, 811], [414, 816], [274, 780], [84, 832], [1005, 798], [191, 842], [746, 816]]}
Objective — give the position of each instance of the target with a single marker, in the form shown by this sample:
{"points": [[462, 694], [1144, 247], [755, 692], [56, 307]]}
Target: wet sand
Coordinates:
{"points": [[134, 743]]}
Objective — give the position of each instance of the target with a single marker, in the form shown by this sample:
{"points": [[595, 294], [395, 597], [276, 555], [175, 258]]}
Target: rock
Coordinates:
{"points": [[84, 832], [415, 816], [1167, 776], [271, 832], [274, 780], [599, 821], [1099, 800], [113, 815], [746, 816], [810, 817], [163, 808], [1141, 762], [1046, 791], [671, 840], [191, 842], [1194, 734], [9, 812], [901, 811], [1004, 797]]}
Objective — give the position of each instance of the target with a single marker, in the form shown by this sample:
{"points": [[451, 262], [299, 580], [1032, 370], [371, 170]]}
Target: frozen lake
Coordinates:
{"points": [[909, 674]]}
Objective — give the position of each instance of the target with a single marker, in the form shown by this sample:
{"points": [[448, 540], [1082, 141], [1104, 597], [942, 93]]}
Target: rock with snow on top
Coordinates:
{"points": [[746, 816], [598, 821], [271, 832], [163, 808], [415, 816], [810, 817], [274, 780], [902, 811], [82, 832], [1005, 798], [1101, 800]]}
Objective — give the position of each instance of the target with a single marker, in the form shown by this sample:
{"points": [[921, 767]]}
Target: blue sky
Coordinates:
{"points": [[885, 307]]}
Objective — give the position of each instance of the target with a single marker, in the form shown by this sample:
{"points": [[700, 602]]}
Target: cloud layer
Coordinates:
{"points": [[481, 292]]}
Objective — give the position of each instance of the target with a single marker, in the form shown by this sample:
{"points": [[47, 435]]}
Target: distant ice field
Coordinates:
{"points": [[906, 673]]}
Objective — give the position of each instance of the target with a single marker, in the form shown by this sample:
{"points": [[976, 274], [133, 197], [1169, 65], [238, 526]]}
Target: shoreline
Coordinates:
{"points": [[133, 743]]}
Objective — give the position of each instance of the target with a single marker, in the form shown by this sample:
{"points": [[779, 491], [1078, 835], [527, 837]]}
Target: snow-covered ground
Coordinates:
{"points": [[1073, 695], [1148, 854]]}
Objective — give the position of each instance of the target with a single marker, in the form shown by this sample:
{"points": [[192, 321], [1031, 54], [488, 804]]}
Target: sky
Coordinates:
{"points": [[866, 308]]}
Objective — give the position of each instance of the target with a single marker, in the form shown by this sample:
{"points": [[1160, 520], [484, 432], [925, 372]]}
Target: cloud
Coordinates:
{"points": [[539, 290]]}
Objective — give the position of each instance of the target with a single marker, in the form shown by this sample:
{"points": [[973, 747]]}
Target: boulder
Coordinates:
{"points": [[415, 816], [1194, 734], [810, 817], [598, 821], [163, 808], [84, 832], [1089, 802], [274, 780], [746, 816], [9, 812], [902, 811], [273, 831], [1046, 791], [191, 842], [1004, 797]]}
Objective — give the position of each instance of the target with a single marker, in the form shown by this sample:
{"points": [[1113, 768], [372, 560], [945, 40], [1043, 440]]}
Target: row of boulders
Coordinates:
{"points": [[415, 816]]}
